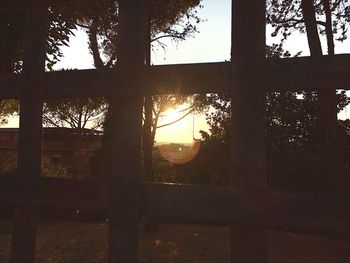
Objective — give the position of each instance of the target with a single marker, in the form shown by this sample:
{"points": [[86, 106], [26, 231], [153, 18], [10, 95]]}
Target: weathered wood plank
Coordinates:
{"points": [[126, 165], [14, 7], [248, 100], [304, 73], [29, 146], [56, 192], [307, 73], [322, 213], [9, 86], [126, 120], [190, 78], [294, 74], [165, 79]]}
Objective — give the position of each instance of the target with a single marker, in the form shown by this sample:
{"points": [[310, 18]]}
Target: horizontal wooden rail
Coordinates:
{"points": [[321, 213], [167, 79], [55, 192], [309, 74], [294, 74], [20, 8], [9, 86]]}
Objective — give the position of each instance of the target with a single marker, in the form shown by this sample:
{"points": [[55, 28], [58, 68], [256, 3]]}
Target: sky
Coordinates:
{"points": [[211, 44], [214, 31]]}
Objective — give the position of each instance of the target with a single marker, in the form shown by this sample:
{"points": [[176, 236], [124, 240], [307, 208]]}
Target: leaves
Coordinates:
{"points": [[8, 108], [286, 16], [76, 113]]}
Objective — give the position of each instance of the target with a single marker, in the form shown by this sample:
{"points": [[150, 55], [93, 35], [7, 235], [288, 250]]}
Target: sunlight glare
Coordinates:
{"points": [[179, 153], [171, 114]]}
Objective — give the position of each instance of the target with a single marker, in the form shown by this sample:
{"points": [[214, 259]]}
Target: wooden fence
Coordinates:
{"points": [[251, 209]]}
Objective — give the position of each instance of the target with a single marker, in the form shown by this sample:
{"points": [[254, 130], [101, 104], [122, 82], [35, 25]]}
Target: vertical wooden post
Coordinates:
{"points": [[126, 118], [29, 154], [150, 223], [148, 106], [248, 244], [329, 143]]}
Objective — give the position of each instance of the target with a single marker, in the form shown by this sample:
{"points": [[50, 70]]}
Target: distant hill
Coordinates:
{"points": [[165, 143]]}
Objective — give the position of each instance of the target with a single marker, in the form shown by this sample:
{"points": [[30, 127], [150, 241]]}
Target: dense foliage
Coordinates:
{"points": [[293, 141], [287, 16]]}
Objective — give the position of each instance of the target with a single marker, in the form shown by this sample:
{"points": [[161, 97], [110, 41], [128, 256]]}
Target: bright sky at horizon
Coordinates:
{"points": [[214, 31], [211, 44]]}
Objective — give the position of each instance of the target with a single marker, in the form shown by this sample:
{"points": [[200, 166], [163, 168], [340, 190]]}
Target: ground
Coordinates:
{"points": [[73, 242]]}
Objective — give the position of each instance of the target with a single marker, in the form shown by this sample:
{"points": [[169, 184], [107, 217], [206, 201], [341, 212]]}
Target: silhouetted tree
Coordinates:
{"points": [[168, 19], [61, 26], [62, 22], [77, 114], [293, 143], [317, 17], [7, 108], [327, 17]]}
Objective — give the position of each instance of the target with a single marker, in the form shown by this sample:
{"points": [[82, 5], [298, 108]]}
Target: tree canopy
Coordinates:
{"points": [[168, 18], [62, 22], [99, 18], [292, 139], [60, 28], [78, 113], [286, 16]]}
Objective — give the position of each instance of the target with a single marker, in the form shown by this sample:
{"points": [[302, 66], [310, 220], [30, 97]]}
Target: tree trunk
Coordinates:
{"points": [[148, 141], [94, 47], [329, 31], [311, 28], [326, 98], [332, 147]]}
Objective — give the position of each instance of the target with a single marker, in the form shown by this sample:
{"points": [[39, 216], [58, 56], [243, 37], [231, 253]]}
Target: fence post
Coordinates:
{"points": [[248, 243], [29, 153], [126, 114]]}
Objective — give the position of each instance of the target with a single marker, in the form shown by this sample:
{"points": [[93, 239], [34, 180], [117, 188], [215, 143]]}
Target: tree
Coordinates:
{"points": [[153, 107], [7, 109], [78, 113], [305, 15], [317, 17], [161, 104], [210, 166], [293, 143], [168, 18], [61, 26]]}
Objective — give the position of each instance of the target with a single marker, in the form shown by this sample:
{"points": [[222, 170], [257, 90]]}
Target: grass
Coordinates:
{"points": [[73, 242]]}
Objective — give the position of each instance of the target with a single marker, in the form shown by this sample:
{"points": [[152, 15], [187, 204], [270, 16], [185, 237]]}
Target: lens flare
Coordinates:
{"points": [[179, 153]]}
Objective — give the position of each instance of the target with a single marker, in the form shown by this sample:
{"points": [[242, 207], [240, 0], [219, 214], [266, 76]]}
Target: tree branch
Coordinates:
{"points": [[168, 35], [94, 46], [170, 123]]}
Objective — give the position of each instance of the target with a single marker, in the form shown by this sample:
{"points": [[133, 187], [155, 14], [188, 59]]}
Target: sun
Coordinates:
{"points": [[171, 114], [179, 125], [174, 116], [172, 123]]}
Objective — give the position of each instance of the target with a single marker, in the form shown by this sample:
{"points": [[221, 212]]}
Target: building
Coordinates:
{"points": [[62, 147]]}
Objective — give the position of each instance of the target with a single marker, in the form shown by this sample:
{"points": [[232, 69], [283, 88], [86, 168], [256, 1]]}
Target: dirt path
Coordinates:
{"points": [[73, 243]]}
